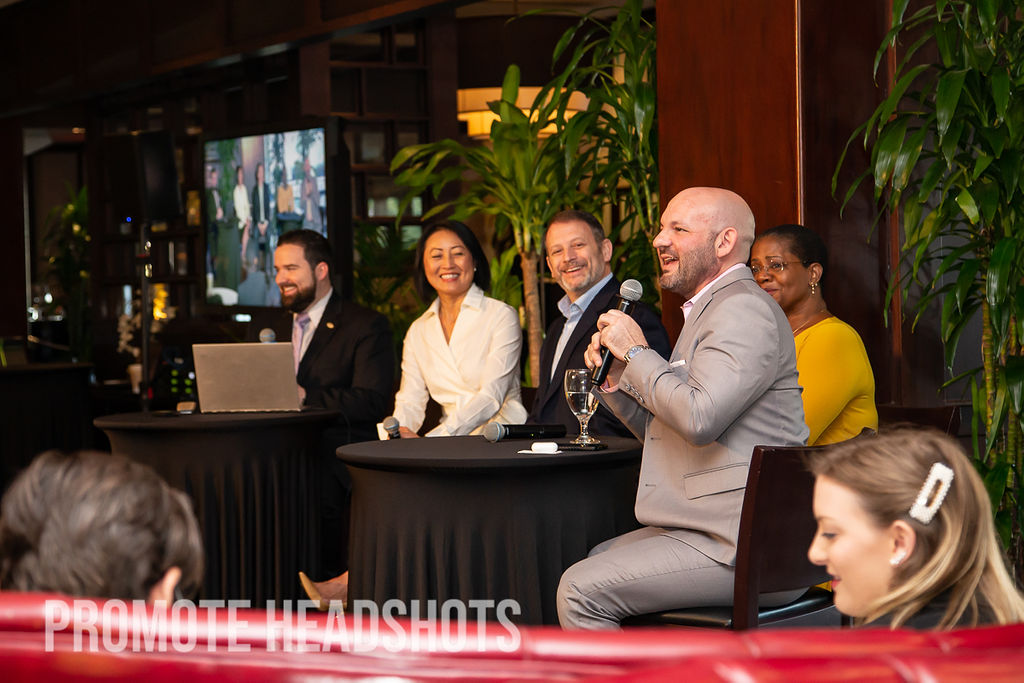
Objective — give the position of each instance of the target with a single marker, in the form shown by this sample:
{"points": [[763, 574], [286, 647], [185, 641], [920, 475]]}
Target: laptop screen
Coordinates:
{"points": [[240, 378]]}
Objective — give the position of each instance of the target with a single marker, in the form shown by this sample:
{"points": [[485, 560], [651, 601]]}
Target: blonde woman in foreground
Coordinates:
{"points": [[905, 529]]}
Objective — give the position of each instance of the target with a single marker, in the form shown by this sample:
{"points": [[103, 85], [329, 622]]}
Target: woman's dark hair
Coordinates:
{"points": [[482, 274], [96, 525], [805, 244]]}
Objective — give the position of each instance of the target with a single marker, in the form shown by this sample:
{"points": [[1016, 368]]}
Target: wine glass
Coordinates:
{"points": [[582, 402]]}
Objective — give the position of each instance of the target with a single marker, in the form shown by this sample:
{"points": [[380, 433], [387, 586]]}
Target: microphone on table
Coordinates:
{"points": [[629, 293], [267, 336], [391, 425], [494, 431]]}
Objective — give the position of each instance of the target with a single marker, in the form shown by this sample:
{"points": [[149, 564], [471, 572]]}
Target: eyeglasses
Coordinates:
{"points": [[774, 265]]}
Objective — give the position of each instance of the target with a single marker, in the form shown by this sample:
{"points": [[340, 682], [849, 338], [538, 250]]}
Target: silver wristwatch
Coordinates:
{"points": [[633, 350]]}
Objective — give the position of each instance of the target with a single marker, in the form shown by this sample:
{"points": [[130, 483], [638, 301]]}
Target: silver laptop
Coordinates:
{"points": [[244, 378]]}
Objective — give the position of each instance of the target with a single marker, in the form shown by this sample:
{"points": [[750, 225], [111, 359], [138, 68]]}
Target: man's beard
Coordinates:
{"points": [[301, 300], [691, 270]]}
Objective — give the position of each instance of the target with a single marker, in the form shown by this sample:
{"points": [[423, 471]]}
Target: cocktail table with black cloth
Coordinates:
{"points": [[253, 479], [462, 518]]}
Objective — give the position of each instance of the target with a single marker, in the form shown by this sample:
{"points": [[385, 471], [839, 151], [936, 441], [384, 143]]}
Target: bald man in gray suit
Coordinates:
{"points": [[730, 384]]}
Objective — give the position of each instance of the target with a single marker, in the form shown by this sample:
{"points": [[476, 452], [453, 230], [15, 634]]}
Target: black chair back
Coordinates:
{"points": [[776, 528]]}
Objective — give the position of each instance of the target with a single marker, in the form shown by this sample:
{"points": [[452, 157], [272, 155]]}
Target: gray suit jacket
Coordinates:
{"points": [[730, 384]]}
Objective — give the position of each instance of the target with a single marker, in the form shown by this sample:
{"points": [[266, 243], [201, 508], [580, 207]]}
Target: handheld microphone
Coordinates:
{"points": [[494, 431], [267, 336], [391, 425], [629, 293]]}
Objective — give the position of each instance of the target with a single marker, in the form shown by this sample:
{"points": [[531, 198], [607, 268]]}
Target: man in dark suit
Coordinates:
{"points": [[344, 361], [214, 226], [579, 257]]}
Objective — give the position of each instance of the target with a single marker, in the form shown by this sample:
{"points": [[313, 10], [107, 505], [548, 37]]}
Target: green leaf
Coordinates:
{"points": [[1001, 91], [987, 16], [995, 482], [898, 8], [1000, 266], [1008, 166], [929, 181], [999, 411], [966, 282], [986, 193], [982, 162], [885, 110], [951, 140], [510, 84], [966, 203], [907, 158], [995, 137], [1015, 381], [947, 95], [944, 41], [886, 149]]}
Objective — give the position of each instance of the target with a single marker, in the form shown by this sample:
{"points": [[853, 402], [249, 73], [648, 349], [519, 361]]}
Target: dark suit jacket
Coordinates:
{"points": [[549, 404], [350, 366], [268, 203]]}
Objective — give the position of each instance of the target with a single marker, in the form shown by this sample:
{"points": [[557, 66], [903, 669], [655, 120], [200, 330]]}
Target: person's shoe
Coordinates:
{"points": [[323, 593]]}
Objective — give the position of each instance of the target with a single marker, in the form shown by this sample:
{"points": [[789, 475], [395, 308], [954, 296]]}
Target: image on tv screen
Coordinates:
{"points": [[258, 187]]}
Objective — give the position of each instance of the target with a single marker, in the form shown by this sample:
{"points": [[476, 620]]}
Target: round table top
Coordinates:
{"points": [[170, 420], [476, 452]]}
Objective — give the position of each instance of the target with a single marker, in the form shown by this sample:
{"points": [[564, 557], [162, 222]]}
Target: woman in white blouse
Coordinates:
{"points": [[243, 210], [464, 350]]}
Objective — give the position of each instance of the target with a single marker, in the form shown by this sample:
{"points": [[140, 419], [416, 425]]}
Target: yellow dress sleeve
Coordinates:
{"points": [[839, 387]]}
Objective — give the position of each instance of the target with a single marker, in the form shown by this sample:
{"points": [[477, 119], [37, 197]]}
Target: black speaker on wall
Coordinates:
{"points": [[141, 176]]}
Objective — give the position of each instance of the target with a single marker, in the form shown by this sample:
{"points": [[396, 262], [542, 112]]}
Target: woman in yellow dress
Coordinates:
{"points": [[788, 262]]}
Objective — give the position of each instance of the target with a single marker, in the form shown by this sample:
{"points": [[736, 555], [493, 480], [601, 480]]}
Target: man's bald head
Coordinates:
{"points": [[704, 232], [719, 209]]}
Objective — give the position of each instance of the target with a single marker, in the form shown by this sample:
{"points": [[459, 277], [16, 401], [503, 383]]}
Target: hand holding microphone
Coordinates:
{"points": [[616, 333], [390, 425]]}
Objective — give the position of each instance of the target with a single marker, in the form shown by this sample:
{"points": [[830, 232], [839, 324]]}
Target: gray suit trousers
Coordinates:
{"points": [[642, 572], [637, 573]]}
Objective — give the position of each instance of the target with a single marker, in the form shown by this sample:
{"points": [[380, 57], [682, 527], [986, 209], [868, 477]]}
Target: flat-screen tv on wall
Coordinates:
{"points": [[258, 186]]}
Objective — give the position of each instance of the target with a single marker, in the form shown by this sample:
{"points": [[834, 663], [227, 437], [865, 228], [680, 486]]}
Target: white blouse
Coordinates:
{"points": [[474, 376], [243, 212]]}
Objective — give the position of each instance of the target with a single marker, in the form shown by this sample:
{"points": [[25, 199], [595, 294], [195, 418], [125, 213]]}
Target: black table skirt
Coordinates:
{"points": [[435, 519], [253, 482]]}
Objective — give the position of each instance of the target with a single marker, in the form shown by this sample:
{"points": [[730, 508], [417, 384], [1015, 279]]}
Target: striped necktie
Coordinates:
{"points": [[298, 335]]}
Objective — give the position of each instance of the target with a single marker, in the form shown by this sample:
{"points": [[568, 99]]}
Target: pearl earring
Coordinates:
{"points": [[814, 288], [898, 558]]}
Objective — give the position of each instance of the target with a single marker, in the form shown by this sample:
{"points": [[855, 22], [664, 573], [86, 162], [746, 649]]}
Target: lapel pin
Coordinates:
{"points": [[330, 326]]}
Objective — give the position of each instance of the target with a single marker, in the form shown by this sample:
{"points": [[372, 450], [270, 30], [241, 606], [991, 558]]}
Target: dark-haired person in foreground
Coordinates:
{"points": [[729, 385], [464, 350], [905, 529], [97, 525], [788, 262], [344, 361], [579, 258]]}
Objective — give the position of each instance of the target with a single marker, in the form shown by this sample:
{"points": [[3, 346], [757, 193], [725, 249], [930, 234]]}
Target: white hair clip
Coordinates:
{"points": [[935, 488]]}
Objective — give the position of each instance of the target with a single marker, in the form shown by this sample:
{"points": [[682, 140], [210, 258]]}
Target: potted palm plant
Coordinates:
{"points": [[946, 149], [604, 155], [521, 177]]}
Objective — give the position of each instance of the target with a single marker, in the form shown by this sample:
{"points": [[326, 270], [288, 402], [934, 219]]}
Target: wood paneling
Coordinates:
{"points": [[727, 98]]}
